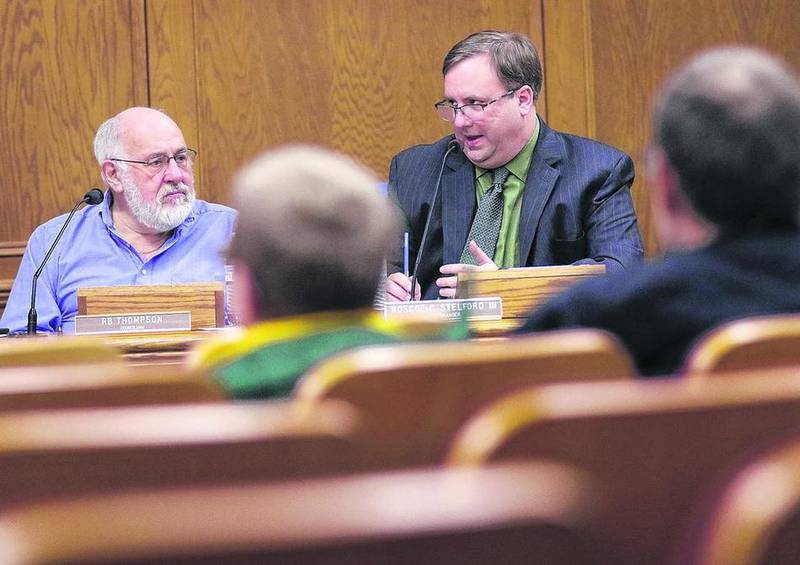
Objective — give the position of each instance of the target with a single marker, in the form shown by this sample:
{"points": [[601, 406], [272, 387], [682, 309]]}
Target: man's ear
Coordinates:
{"points": [[677, 224], [111, 176], [663, 183], [670, 195], [525, 98]]}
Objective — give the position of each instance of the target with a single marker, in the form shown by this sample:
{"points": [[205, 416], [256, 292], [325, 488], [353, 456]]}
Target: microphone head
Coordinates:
{"points": [[454, 144], [94, 196]]}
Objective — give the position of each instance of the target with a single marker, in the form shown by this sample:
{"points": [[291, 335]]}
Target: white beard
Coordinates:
{"points": [[154, 215]]}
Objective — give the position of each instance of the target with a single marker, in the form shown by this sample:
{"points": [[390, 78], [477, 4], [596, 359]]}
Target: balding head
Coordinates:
{"points": [[122, 134], [729, 125], [313, 231]]}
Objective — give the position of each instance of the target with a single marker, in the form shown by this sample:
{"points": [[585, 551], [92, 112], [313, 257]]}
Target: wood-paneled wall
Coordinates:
{"points": [[360, 76], [356, 75], [606, 60], [65, 67]]}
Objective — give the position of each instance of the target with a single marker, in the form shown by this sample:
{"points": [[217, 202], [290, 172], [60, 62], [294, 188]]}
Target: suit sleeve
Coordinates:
{"points": [[394, 260], [612, 233]]}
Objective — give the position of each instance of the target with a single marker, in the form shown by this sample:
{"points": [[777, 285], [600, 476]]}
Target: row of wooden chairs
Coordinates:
{"points": [[510, 515], [57, 351], [98, 385], [661, 450], [68, 452], [757, 518], [651, 471], [655, 456], [532, 512], [749, 343], [93, 374], [412, 399]]}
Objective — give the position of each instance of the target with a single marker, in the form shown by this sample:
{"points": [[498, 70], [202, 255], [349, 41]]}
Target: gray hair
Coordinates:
{"points": [[729, 124], [107, 144], [514, 56], [313, 230]]}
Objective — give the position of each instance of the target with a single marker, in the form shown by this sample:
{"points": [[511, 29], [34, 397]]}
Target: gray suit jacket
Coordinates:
{"points": [[576, 207]]}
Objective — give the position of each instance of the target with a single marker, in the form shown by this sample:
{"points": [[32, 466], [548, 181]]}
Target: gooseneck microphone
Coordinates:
{"points": [[94, 196], [452, 146]]}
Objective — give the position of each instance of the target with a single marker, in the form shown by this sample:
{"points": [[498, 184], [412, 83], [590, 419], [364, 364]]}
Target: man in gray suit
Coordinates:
{"points": [[560, 199]]}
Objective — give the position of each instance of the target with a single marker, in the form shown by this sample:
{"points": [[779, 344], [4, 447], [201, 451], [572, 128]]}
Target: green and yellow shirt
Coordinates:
{"points": [[265, 360]]}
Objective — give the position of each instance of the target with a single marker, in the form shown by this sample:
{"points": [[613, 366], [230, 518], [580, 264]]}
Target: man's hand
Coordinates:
{"points": [[447, 285], [398, 288]]}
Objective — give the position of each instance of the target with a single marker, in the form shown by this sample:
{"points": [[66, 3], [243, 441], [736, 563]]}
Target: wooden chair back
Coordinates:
{"points": [[62, 350], [757, 520], [530, 513], [63, 452], [751, 343], [658, 446], [412, 398], [95, 385]]}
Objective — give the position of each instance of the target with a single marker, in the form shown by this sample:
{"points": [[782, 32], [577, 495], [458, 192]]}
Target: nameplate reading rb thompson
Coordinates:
{"points": [[484, 308], [133, 323]]}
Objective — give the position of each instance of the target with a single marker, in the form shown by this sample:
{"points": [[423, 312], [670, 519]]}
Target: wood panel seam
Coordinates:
{"points": [[543, 57], [196, 78], [588, 65]]}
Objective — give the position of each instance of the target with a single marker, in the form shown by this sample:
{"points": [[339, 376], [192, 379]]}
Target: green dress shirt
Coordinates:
{"points": [[507, 252]]}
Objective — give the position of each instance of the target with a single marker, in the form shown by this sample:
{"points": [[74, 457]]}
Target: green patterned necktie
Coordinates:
{"points": [[488, 219]]}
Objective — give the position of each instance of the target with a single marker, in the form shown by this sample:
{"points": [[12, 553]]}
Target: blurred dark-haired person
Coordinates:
{"points": [[725, 179], [308, 252], [514, 193]]}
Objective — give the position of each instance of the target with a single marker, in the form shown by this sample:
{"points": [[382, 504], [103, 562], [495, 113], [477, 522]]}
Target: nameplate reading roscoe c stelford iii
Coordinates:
{"points": [[485, 308], [133, 323]]}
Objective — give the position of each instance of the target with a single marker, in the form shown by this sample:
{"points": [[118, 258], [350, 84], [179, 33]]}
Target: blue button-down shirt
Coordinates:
{"points": [[92, 253]]}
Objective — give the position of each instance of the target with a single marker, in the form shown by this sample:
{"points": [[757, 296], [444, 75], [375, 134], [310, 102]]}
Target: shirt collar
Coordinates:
{"points": [[519, 165], [243, 341], [105, 208], [240, 342]]}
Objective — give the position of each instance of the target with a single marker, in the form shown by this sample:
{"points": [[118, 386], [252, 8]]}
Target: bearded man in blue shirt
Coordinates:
{"points": [[150, 228]]}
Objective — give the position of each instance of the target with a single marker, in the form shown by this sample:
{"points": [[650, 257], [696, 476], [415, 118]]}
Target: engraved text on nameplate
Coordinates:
{"points": [[133, 323], [485, 308]]}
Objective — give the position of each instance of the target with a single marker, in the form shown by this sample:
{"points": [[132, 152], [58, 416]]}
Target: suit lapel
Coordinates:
{"points": [[542, 176], [458, 205]]}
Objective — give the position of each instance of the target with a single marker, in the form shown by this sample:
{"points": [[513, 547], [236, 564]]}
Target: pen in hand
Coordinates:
{"points": [[405, 253], [405, 258]]}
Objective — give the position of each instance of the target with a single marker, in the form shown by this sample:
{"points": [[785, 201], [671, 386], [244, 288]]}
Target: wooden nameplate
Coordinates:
{"points": [[522, 289], [205, 301]]}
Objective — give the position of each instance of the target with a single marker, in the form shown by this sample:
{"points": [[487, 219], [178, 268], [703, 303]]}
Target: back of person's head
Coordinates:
{"points": [[313, 230], [729, 125], [515, 58]]}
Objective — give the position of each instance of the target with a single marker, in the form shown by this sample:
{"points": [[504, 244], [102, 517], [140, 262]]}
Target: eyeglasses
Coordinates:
{"points": [[183, 158], [447, 110]]}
